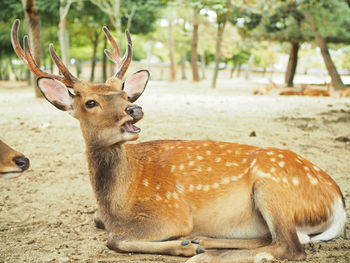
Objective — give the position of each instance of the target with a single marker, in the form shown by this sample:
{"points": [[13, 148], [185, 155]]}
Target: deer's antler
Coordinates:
{"points": [[121, 62], [68, 79]]}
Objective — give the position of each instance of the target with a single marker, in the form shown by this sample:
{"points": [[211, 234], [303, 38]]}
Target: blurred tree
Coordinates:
{"points": [[32, 17], [222, 9]]}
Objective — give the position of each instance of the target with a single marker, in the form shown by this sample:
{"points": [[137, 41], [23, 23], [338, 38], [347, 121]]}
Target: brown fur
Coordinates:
{"points": [[345, 93]]}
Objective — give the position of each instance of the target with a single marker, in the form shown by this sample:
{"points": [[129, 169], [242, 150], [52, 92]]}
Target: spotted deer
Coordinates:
{"points": [[189, 198], [12, 163]]}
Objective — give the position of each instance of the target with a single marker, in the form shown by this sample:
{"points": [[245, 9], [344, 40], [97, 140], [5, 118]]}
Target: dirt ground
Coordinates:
{"points": [[46, 215]]}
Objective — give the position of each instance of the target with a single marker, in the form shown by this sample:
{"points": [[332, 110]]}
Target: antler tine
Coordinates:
{"points": [[64, 70], [15, 43], [28, 59], [124, 62]]}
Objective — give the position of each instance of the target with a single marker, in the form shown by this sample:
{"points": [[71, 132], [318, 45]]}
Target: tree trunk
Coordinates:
{"points": [[94, 41], [104, 61], [171, 44], [194, 57], [203, 65], [332, 70], [183, 66], [249, 66], [233, 70], [32, 17], [118, 23], [63, 33], [221, 27], [292, 64]]}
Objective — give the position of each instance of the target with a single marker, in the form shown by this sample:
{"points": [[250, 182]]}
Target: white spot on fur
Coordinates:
{"points": [[306, 168], [252, 163], [209, 169], [244, 160], [208, 152], [273, 159], [198, 169], [145, 182], [229, 151], [179, 188], [181, 167], [295, 181], [175, 195], [215, 185], [206, 188], [235, 164], [199, 187], [281, 164], [190, 163], [225, 180], [221, 146], [179, 147], [168, 195], [172, 168], [218, 159], [172, 147], [316, 168], [228, 164], [261, 174], [312, 179], [237, 152], [158, 186], [272, 169], [199, 157], [205, 144], [190, 188], [298, 161], [176, 205], [270, 153], [285, 180], [158, 198], [280, 155], [189, 148]]}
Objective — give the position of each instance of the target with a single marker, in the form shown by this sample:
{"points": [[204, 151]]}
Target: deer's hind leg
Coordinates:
{"points": [[284, 239]]}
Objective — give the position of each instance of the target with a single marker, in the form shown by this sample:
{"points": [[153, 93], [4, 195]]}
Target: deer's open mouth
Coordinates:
{"points": [[130, 127]]}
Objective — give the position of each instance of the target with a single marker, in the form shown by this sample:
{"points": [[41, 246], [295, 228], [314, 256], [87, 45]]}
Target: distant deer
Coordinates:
{"points": [[265, 90], [315, 92], [345, 93], [290, 92], [266, 202], [12, 163]]}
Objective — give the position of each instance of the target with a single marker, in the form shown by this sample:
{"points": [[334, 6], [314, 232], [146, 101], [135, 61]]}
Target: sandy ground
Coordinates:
{"points": [[46, 214]]}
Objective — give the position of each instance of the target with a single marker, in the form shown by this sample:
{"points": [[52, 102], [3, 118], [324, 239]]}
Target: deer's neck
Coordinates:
{"points": [[109, 175]]}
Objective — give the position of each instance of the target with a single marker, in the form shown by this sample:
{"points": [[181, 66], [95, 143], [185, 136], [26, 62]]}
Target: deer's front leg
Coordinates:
{"points": [[173, 247]]}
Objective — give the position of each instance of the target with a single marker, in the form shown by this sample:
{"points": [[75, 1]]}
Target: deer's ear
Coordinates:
{"points": [[56, 93], [135, 85]]}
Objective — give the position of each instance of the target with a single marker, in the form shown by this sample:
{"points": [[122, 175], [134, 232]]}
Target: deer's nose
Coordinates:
{"points": [[135, 112], [21, 162]]}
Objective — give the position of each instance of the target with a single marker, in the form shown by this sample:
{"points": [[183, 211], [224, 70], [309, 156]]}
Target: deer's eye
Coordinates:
{"points": [[91, 103]]}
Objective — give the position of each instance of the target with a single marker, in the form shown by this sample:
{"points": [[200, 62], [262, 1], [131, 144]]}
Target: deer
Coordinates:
{"points": [[265, 90], [345, 93], [212, 201], [12, 163], [290, 92], [315, 92]]}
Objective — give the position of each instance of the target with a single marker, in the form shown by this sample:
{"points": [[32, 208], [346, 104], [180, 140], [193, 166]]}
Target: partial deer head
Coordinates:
{"points": [[12, 163], [106, 111]]}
